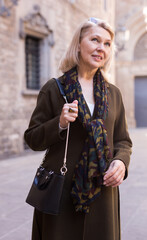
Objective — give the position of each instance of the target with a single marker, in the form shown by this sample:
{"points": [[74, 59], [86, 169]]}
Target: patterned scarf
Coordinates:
{"points": [[92, 164]]}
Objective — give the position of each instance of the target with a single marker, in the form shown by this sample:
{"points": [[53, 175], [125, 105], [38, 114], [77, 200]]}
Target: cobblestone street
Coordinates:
{"points": [[16, 175]]}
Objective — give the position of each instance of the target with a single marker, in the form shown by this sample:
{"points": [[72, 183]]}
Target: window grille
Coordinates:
{"points": [[32, 49]]}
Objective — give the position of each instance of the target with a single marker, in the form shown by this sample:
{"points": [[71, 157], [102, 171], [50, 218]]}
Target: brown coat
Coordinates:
{"points": [[103, 221]]}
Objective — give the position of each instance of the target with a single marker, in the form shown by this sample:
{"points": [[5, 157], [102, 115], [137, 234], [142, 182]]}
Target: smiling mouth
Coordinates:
{"points": [[98, 57]]}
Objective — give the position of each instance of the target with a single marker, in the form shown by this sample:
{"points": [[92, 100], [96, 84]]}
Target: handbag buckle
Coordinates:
{"points": [[63, 170]]}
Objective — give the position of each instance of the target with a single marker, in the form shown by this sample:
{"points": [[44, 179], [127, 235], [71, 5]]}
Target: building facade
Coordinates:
{"points": [[33, 37], [131, 58]]}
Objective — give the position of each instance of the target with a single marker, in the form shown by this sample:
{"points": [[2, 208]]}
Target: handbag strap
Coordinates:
{"points": [[63, 169], [61, 89]]}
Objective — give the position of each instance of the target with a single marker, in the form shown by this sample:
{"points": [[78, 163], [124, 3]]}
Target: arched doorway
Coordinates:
{"points": [[141, 101], [140, 54]]}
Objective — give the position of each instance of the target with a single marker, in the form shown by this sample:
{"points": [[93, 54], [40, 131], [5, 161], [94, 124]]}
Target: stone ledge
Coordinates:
{"points": [[28, 92]]}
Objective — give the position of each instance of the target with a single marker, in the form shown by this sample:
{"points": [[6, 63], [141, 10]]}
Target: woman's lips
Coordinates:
{"points": [[97, 57]]}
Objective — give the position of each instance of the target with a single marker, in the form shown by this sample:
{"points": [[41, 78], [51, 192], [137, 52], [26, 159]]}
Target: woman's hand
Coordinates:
{"points": [[69, 113], [115, 174]]}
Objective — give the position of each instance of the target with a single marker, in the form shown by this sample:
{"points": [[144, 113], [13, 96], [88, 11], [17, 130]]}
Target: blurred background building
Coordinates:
{"points": [[131, 59], [33, 37]]}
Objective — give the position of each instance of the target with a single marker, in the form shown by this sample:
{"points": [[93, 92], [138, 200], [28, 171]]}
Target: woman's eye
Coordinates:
{"points": [[108, 44], [95, 39]]}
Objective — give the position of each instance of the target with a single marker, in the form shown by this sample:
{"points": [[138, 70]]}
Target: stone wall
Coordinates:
{"points": [[16, 103], [130, 60]]}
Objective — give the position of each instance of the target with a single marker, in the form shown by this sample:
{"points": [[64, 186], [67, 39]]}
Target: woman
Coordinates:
{"points": [[99, 145]]}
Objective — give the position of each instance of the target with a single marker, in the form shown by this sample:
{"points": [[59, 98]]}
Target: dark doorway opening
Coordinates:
{"points": [[141, 101]]}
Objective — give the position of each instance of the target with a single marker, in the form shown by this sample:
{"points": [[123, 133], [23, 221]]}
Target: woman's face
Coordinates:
{"points": [[95, 48]]}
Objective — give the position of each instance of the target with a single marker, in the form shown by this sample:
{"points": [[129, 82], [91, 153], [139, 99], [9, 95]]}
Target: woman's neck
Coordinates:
{"points": [[86, 81], [85, 74]]}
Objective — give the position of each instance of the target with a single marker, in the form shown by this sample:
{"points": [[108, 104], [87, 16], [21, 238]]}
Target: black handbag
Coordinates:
{"points": [[46, 191]]}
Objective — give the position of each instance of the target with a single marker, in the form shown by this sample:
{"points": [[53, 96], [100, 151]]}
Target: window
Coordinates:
{"points": [[32, 50], [38, 42]]}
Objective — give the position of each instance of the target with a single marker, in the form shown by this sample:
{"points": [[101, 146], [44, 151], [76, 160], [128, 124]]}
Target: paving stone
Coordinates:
{"points": [[133, 191], [16, 176]]}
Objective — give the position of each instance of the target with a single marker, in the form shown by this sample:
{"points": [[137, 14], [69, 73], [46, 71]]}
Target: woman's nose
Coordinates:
{"points": [[100, 47]]}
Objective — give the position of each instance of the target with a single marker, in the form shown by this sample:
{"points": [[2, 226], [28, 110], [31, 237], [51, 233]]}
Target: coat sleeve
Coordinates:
{"points": [[43, 129], [121, 140]]}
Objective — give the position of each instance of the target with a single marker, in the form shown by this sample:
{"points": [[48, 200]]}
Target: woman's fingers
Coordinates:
{"points": [[73, 107], [115, 174], [69, 113]]}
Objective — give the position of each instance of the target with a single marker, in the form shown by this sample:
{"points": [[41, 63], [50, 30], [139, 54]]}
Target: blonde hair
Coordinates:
{"points": [[71, 57]]}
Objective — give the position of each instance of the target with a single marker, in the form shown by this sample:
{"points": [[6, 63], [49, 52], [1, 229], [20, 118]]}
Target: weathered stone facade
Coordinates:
{"points": [[44, 19], [131, 60], [54, 22]]}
